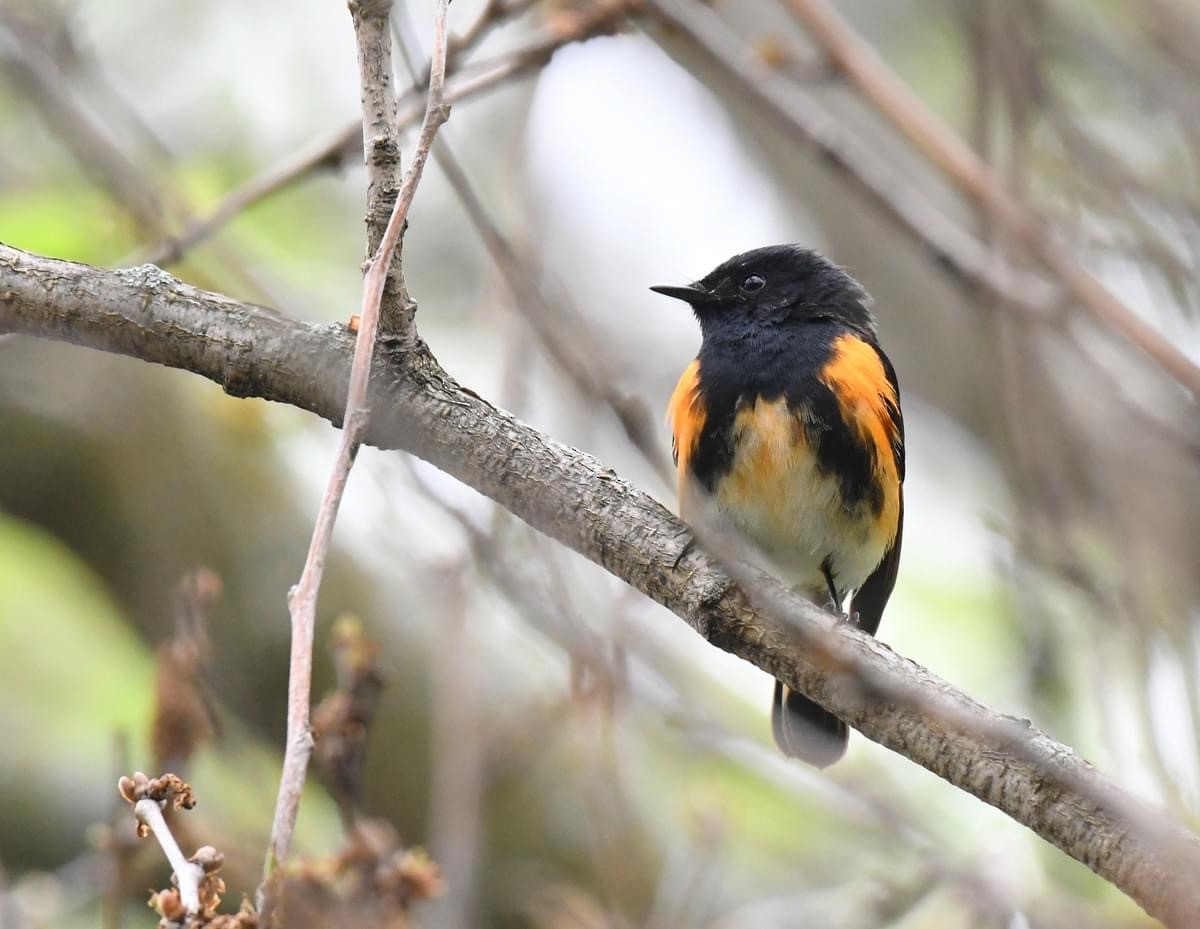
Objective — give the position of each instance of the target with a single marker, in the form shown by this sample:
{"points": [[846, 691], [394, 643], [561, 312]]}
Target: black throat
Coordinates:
{"points": [[742, 363]]}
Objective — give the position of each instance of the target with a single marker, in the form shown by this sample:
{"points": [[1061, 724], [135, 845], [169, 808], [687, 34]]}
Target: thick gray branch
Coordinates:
{"points": [[252, 351]]}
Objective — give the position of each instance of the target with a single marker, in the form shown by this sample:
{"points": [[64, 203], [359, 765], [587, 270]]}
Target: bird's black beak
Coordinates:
{"points": [[692, 293]]}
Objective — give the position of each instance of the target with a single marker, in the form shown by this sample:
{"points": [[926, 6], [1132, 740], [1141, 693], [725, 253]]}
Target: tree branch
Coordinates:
{"points": [[381, 146], [700, 30], [188, 874], [878, 84], [252, 351], [332, 151], [302, 600], [562, 329], [325, 153]]}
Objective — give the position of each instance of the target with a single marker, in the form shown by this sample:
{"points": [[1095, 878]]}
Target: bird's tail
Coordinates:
{"points": [[806, 730]]}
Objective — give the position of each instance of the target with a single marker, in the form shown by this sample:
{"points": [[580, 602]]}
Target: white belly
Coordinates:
{"points": [[775, 497]]}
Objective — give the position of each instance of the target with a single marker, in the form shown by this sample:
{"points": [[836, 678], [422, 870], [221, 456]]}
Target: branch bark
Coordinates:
{"points": [[381, 146], [252, 351]]}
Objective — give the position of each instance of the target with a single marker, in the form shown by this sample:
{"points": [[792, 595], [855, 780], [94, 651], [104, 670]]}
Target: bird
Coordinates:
{"points": [[787, 431]]}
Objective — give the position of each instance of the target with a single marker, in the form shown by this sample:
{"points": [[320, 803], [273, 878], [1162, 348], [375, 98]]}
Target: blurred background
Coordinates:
{"points": [[569, 754]]}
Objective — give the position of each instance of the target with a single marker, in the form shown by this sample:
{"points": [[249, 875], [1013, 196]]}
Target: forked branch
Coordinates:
{"points": [[302, 601]]}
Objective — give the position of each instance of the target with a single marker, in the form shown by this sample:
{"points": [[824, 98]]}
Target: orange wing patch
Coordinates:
{"points": [[867, 399], [686, 414]]}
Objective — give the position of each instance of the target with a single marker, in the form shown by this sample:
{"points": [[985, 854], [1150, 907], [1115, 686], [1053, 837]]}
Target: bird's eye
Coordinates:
{"points": [[752, 283]]}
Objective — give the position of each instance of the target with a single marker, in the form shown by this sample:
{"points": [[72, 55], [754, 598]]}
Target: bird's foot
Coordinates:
{"points": [[848, 619]]}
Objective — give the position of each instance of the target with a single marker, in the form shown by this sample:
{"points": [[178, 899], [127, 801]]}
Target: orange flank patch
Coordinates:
{"points": [[866, 398], [686, 414]]}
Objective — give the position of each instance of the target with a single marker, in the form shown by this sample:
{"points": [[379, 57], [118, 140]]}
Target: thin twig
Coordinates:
{"points": [[117, 852], [877, 83], [333, 150], [101, 152], [329, 153], [953, 248], [494, 13], [561, 328], [458, 756], [188, 874], [1175, 30], [35, 73], [302, 599]]}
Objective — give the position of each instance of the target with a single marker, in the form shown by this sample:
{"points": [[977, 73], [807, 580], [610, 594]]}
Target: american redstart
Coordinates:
{"points": [[787, 430]]}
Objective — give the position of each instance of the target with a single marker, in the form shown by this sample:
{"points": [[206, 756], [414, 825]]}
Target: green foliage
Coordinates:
{"points": [[73, 679], [68, 219]]}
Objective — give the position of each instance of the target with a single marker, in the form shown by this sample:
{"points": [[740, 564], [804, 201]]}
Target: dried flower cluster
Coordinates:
{"points": [[169, 904], [371, 881], [198, 880], [183, 715], [342, 719], [167, 789]]}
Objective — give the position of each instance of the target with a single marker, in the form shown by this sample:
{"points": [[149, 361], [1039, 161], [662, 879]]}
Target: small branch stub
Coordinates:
{"points": [[148, 797]]}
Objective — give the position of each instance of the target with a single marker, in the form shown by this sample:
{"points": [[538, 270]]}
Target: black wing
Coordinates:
{"points": [[870, 599]]}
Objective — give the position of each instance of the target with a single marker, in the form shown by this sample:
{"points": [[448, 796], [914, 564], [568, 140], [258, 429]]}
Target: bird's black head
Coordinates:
{"points": [[776, 285]]}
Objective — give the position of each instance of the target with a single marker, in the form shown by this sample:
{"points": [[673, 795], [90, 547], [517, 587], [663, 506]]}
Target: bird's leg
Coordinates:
{"points": [[835, 601]]}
